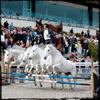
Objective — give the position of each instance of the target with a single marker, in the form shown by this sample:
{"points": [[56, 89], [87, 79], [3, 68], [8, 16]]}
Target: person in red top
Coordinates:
{"points": [[57, 40], [76, 60]]}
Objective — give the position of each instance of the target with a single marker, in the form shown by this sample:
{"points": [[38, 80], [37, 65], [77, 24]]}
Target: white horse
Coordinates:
{"points": [[60, 64], [16, 53], [30, 64], [38, 51], [25, 61]]}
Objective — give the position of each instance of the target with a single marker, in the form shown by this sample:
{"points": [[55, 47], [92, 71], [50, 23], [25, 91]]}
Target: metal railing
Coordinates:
{"points": [[54, 23]]}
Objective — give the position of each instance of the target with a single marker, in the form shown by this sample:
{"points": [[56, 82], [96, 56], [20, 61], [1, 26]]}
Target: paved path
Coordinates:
{"points": [[28, 90]]}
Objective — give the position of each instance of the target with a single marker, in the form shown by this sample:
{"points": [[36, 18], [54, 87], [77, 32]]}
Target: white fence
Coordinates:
{"points": [[80, 70]]}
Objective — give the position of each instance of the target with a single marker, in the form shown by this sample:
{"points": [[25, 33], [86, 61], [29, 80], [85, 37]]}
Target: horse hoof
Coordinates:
{"points": [[35, 84], [26, 72], [11, 72], [51, 86], [61, 89], [41, 86], [73, 89]]}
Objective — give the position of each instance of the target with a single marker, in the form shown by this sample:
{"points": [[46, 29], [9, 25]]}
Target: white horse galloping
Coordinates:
{"points": [[41, 68], [25, 61], [13, 52], [60, 64]]}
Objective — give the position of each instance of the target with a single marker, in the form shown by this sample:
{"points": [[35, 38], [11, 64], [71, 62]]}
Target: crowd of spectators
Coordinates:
{"points": [[65, 44]]}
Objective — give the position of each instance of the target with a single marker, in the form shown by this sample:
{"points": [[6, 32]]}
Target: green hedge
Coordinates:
{"points": [[93, 51], [78, 34], [63, 32]]}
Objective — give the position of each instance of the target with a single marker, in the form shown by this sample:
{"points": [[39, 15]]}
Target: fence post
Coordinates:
{"points": [[2, 68], [92, 80], [8, 69]]}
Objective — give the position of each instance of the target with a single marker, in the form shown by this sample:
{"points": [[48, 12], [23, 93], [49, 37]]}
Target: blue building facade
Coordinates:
{"points": [[48, 11]]}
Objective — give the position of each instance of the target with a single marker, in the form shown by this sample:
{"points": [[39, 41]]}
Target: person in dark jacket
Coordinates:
{"points": [[40, 22], [31, 37], [6, 24], [69, 43], [41, 39], [74, 40], [24, 37], [19, 36], [14, 36], [85, 48], [6, 44], [47, 33], [11, 43], [82, 33]]}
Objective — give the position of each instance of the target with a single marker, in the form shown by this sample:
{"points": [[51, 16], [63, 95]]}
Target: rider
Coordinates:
{"points": [[47, 33]]}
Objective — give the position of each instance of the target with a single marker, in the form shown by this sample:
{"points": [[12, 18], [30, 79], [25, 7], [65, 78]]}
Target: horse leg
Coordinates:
{"points": [[21, 64], [54, 68], [40, 82], [59, 74], [70, 86], [38, 72], [26, 72], [49, 73], [30, 70], [74, 74]]}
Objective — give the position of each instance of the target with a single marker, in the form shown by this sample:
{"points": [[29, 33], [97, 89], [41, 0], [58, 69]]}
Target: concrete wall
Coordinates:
{"points": [[78, 30], [20, 23]]}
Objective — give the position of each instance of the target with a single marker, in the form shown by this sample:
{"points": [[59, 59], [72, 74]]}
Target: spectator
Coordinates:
{"points": [[41, 39], [62, 40], [11, 26], [40, 22], [76, 60], [18, 43], [66, 46], [6, 24], [14, 36], [23, 29], [37, 39], [24, 37], [19, 36], [11, 43], [60, 48], [74, 40], [87, 68], [15, 28], [85, 34], [90, 40], [31, 37], [88, 33], [79, 49], [72, 56], [48, 34], [7, 36], [85, 48], [95, 41], [30, 43], [34, 42], [6, 44], [17, 15], [83, 67], [69, 43], [71, 31], [21, 42], [57, 40], [82, 33]]}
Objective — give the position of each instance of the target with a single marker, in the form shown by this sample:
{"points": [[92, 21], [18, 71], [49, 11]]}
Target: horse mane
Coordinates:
{"points": [[18, 47], [54, 49]]}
